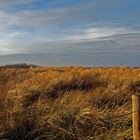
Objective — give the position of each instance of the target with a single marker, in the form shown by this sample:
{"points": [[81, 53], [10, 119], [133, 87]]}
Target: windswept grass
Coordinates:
{"points": [[69, 103]]}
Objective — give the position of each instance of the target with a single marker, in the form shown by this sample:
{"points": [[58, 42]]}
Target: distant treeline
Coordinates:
{"points": [[19, 65]]}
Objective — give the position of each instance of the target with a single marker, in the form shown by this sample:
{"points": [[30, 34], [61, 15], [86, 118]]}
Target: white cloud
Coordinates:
{"points": [[10, 3], [25, 31], [31, 19], [13, 42], [97, 34]]}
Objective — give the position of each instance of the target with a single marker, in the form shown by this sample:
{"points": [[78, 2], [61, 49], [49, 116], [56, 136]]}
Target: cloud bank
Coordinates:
{"points": [[70, 29]]}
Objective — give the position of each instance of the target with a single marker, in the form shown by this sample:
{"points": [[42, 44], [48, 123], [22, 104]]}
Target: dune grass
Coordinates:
{"points": [[68, 103]]}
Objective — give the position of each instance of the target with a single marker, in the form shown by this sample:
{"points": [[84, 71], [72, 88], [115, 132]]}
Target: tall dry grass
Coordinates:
{"points": [[3, 99], [69, 103]]}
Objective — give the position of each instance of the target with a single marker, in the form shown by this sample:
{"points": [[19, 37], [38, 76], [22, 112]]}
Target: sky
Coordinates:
{"points": [[70, 32]]}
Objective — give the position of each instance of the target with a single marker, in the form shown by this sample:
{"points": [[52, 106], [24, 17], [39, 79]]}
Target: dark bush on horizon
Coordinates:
{"points": [[19, 65]]}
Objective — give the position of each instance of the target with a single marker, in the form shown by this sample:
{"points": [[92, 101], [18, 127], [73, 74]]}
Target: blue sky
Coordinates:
{"points": [[70, 32]]}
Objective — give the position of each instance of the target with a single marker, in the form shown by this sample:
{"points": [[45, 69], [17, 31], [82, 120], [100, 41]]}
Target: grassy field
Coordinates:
{"points": [[67, 103]]}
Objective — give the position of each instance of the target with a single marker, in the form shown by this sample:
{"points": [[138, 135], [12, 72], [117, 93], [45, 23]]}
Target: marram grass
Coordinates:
{"points": [[68, 103]]}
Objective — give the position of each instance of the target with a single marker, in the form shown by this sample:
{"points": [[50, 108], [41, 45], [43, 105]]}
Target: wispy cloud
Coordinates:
{"points": [[68, 27], [91, 40], [100, 33], [10, 3]]}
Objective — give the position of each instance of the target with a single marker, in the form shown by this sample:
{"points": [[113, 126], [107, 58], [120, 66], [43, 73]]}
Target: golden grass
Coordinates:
{"points": [[69, 103]]}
